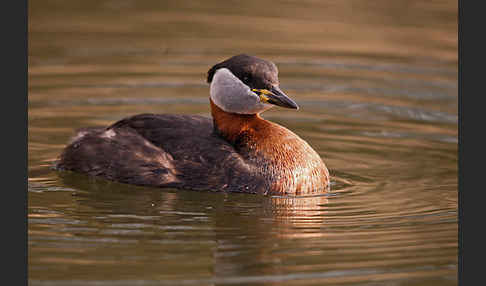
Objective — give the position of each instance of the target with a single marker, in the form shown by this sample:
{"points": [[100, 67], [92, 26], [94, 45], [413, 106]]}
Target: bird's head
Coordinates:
{"points": [[246, 85]]}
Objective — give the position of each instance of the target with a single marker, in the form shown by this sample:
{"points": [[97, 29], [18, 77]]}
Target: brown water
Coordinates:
{"points": [[377, 85]]}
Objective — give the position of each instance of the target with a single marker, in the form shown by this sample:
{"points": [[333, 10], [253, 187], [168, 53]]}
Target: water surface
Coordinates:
{"points": [[376, 83]]}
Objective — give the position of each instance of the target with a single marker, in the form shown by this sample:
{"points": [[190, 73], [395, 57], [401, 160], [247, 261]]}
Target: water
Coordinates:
{"points": [[377, 86]]}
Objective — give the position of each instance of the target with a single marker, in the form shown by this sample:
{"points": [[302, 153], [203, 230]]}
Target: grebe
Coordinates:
{"points": [[236, 151]]}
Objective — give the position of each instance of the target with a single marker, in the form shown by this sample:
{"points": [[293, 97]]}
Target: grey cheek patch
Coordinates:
{"points": [[232, 95]]}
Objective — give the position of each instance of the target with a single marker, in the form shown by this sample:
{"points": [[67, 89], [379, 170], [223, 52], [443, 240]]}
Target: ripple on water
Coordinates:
{"points": [[384, 121]]}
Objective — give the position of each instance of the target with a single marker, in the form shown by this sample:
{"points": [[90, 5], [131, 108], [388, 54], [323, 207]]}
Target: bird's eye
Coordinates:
{"points": [[246, 79]]}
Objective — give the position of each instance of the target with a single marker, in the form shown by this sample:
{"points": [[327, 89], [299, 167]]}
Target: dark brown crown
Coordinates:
{"points": [[253, 71]]}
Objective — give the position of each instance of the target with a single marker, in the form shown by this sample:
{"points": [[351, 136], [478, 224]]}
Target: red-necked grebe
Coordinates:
{"points": [[236, 151]]}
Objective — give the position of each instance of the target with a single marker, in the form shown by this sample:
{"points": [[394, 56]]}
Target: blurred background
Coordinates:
{"points": [[377, 85]]}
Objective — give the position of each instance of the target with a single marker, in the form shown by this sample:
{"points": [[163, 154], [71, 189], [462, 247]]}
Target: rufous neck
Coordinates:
{"points": [[231, 126]]}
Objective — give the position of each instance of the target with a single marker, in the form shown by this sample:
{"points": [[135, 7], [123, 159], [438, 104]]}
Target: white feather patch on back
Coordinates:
{"points": [[110, 133]]}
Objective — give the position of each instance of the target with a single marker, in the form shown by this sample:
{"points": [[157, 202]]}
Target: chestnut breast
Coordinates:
{"points": [[288, 163]]}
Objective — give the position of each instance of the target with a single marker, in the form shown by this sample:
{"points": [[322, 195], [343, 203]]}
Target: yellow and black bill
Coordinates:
{"points": [[275, 96]]}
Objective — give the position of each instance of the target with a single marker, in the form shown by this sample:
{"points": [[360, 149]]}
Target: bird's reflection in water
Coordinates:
{"points": [[241, 234], [260, 243]]}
